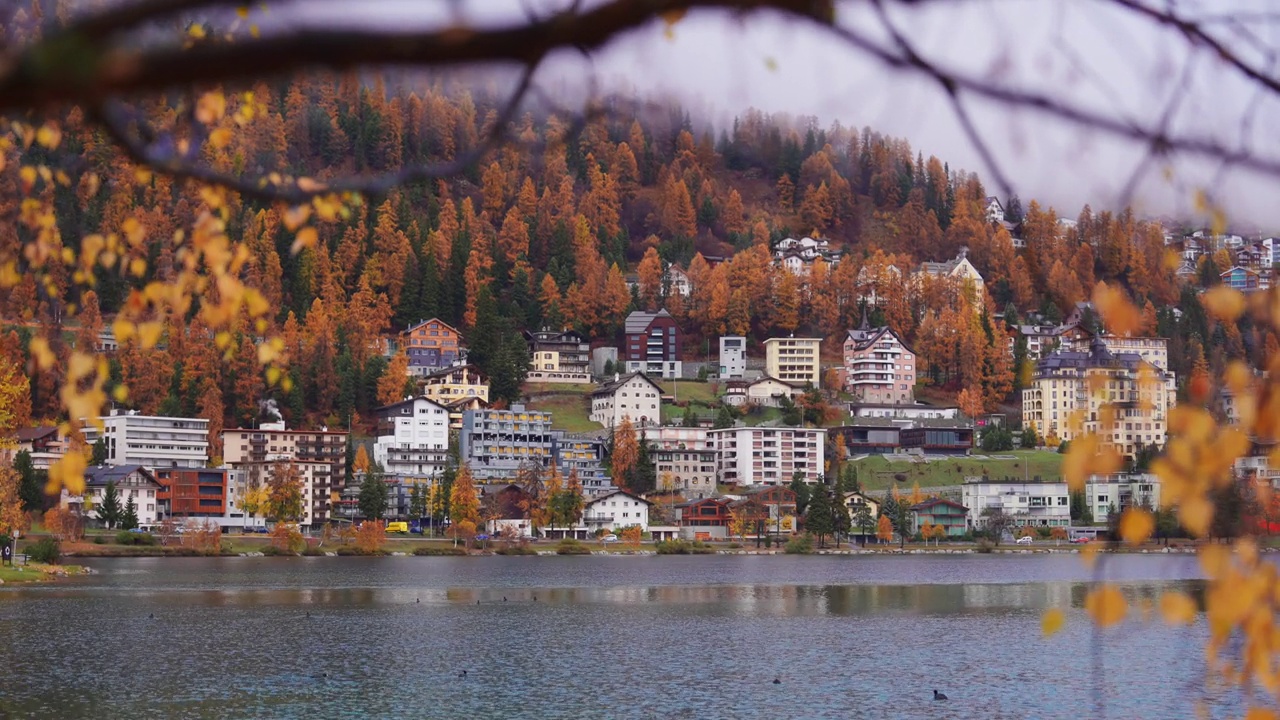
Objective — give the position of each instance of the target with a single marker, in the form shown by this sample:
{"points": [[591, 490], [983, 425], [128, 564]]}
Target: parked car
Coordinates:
{"points": [[400, 527], [610, 538], [1081, 540], [1025, 540]]}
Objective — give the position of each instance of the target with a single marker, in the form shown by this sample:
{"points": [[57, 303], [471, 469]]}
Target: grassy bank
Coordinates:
{"points": [[38, 573], [877, 473], [569, 410]]}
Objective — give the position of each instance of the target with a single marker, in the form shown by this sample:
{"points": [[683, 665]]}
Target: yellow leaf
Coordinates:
{"points": [[1051, 622], [121, 394], [1215, 560], [138, 266], [254, 31], [1106, 605], [273, 376], [1223, 303], [220, 138], [294, 217], [1257, 713], [243, 11], [196, 31], [211, 107], [1136, 525], [41, 353], [149, 333], [306, 238], [49, 136], [1195, 513], [771, 64], [28, 176], [1118, 314], [1177, 608]]}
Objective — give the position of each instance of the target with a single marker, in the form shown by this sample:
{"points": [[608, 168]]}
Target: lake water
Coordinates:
{"points": [[596, 637]]}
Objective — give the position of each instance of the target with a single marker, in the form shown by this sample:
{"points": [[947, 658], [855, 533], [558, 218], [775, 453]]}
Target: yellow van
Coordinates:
{"points": [[398, 527]]}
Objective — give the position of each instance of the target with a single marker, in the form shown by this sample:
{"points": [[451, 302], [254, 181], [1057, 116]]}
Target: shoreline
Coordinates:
{"points": [[38, 573], [140, 552]]}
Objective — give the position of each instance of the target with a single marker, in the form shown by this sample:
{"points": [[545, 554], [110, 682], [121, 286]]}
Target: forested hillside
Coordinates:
{"points": [[542, 233]]}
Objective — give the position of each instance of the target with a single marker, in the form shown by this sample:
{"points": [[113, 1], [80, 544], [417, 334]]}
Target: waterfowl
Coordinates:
{"points": [[938, 696]]}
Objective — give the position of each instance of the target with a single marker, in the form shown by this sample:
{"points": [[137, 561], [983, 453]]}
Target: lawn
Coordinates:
{"points": [[690, 390], [570, 411], [876, 473]]}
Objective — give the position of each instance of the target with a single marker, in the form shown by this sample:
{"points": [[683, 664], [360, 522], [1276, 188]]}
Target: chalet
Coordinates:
{"points": [[855, 501], [558, 357], [777, 503], [993, 209], [704, 519], [616, 510], [46, 445], [798, 256], [447, 385], [652, 344], [634, 396], [430, 345], [1242, 279], [132, 482], [765, 392], [936, 511], [959, 270], [506, 507]]}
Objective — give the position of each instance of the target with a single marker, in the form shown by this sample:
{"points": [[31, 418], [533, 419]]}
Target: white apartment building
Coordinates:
{"points": [[413, 438], [152, 441], [793, 360], [1121, 491], [616, 510], [684, 456], [767, 455], [733, 357], [1029, 503], [632, 396]]}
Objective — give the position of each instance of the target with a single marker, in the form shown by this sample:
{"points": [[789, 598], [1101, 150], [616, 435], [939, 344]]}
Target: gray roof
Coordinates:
{"points": [[1098, 356], [941, 423], [99, 475], [612, 386], [868, 422], [638, 321]]}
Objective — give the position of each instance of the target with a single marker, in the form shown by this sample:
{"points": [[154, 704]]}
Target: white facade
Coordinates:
{"points": [[1029, 503], [683, 458], [134, 483], [767, 455], [793, 360], [904, 412], [153, 441], [634, 396], [733, 357], [666, 369], [413, 438], [1120, 491], [615, 511]]}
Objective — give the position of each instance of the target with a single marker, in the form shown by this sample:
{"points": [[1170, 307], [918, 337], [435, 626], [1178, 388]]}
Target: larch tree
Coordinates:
{"points": [[625, 453], [394, 380], [649, 274], [464, 505]]}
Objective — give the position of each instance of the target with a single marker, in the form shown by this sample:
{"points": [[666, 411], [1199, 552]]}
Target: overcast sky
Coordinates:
{"points": [[1086, 52]]}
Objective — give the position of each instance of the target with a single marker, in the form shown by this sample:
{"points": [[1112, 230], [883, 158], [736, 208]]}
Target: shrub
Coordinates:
{"points": [[735, 546], [768, 541], [99, 540], [273, 551], [45, 551], [569, 546], [985, 546], [312, 551], [348, 550], [433, 551], [799, 545], [124, 537], [515, 550], [683, 547]]}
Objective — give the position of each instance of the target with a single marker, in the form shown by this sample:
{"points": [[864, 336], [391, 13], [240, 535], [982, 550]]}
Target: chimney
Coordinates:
{"points": [[616, 377]]}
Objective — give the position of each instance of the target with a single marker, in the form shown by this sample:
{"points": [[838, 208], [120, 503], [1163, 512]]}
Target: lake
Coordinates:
{"points": [[598, 637]]}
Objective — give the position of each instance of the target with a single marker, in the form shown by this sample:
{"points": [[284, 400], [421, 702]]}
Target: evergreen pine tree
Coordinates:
{"points": [[372, 500], [818, 517], [129, 520], [109, 509]]}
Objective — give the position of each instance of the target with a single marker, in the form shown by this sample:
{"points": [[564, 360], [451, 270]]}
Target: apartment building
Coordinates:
{"points": [[496, 443], [192, 492], [1121, 491], [767, 455], [879, 367], [584, 455], [733, 357], [430, 345], [959, 271], [1122, 398], [558, 357], [652, 344], [413, 438], [1029, 503], [684, 459], [1154, 350], [152, 441], [319, 456], [793, 360], [450, 385]]}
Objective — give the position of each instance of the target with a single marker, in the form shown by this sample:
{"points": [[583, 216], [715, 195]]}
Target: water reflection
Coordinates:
{"points": [[592, 637]]}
